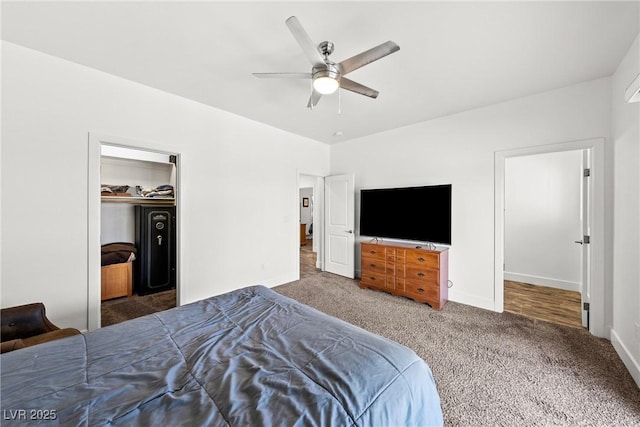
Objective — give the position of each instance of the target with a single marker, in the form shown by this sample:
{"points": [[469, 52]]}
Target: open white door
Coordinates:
{"points": [[339, 255]]}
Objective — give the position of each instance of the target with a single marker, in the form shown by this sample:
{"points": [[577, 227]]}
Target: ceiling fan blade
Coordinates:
{"points": [[366, 57], [313, 99], [283, 75], [358, 88], [308, 47]]}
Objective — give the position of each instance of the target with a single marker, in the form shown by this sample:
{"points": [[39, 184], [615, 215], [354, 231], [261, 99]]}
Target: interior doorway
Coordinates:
{"points": [[543, 226], [592, 251], [310, 215], [308, 254]]}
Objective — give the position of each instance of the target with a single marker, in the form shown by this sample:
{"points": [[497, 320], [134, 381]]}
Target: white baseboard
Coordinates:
{"points": [[627, 358], [543, 281], [280, 280], [472, 300]]}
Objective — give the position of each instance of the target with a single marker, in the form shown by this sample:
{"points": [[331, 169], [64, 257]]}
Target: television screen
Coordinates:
{"points": [[411, 213]]}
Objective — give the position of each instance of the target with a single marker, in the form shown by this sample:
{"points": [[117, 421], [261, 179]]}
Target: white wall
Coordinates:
{"points": [[306, 213], [117, 223], [239, 183], [625, 334], [543, 219], [459, 149]]}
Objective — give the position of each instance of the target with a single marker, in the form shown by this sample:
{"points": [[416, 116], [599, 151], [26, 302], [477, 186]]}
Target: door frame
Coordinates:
{"points": [[597, 324], [95, 142], [318, 217]]}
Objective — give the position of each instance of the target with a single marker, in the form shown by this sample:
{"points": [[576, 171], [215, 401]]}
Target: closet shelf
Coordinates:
{"points": [[139, 200]]}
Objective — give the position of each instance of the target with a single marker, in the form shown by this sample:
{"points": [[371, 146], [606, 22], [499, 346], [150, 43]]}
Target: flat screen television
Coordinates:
{"points": [[410, 213]]}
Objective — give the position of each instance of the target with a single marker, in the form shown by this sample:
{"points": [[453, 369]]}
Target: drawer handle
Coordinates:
{"points": [[421, 274], [372, 252], [372, 265], [421, 259], [420, 289], [372, 278]]}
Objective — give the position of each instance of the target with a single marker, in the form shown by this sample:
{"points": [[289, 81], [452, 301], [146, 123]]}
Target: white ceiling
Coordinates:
{"points": [[454, 56]]}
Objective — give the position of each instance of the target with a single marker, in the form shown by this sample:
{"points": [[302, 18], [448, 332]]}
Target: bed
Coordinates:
{"points": [[246, 358]]}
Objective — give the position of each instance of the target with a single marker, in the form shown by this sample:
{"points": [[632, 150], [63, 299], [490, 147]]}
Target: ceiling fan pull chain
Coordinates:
{"points": [[339, 101]]}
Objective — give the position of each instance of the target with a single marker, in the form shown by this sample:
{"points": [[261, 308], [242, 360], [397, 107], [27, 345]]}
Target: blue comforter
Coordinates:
{"points": [[247, 358]]}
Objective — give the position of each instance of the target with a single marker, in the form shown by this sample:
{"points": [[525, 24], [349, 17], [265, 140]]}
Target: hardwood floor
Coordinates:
{"points": [[308, 260], [543, 303]]}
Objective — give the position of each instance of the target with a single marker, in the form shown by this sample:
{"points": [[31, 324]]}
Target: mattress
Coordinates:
{"points": [[250, 357]]}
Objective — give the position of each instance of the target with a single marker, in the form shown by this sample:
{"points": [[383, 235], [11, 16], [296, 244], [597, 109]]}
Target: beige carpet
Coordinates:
{"points": [[491, 369]]}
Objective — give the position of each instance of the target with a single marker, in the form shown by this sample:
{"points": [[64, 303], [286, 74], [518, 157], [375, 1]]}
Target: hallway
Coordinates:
{"points": [[308, 260]]}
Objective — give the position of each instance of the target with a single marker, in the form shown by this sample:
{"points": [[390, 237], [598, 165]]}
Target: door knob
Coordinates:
{"points": [[348, 231], [579, 241]]}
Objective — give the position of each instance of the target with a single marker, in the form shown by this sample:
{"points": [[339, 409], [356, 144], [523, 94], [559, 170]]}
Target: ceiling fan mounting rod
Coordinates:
{"points": [[326, 49]]}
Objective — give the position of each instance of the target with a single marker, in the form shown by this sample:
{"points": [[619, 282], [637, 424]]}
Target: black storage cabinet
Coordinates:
{"points": [[155, 266]]}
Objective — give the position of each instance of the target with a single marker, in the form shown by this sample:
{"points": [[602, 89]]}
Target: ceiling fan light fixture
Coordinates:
{"points": [[325, 85], [326, 80]]}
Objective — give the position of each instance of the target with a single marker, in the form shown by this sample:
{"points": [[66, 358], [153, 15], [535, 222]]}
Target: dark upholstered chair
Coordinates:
{"points": [[27, 325]]}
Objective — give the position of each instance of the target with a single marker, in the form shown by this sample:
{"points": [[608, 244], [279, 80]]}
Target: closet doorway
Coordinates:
{"points": [[134, 224]]}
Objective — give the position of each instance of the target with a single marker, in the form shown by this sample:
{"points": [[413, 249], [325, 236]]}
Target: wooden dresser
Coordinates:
{"points": [[303, 234], [407, 270]]}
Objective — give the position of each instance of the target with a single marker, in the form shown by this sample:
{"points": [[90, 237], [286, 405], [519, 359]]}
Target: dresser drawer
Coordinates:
{"points": [[391, 268], [378, 280], [371, 250], [422, 275], [422, 258], [372, 266], [390, 253], [422, 290], [391, 283]]}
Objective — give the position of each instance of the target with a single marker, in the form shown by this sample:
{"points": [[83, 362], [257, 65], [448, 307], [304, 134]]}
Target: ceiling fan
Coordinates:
{"points": [[326, 75]]}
